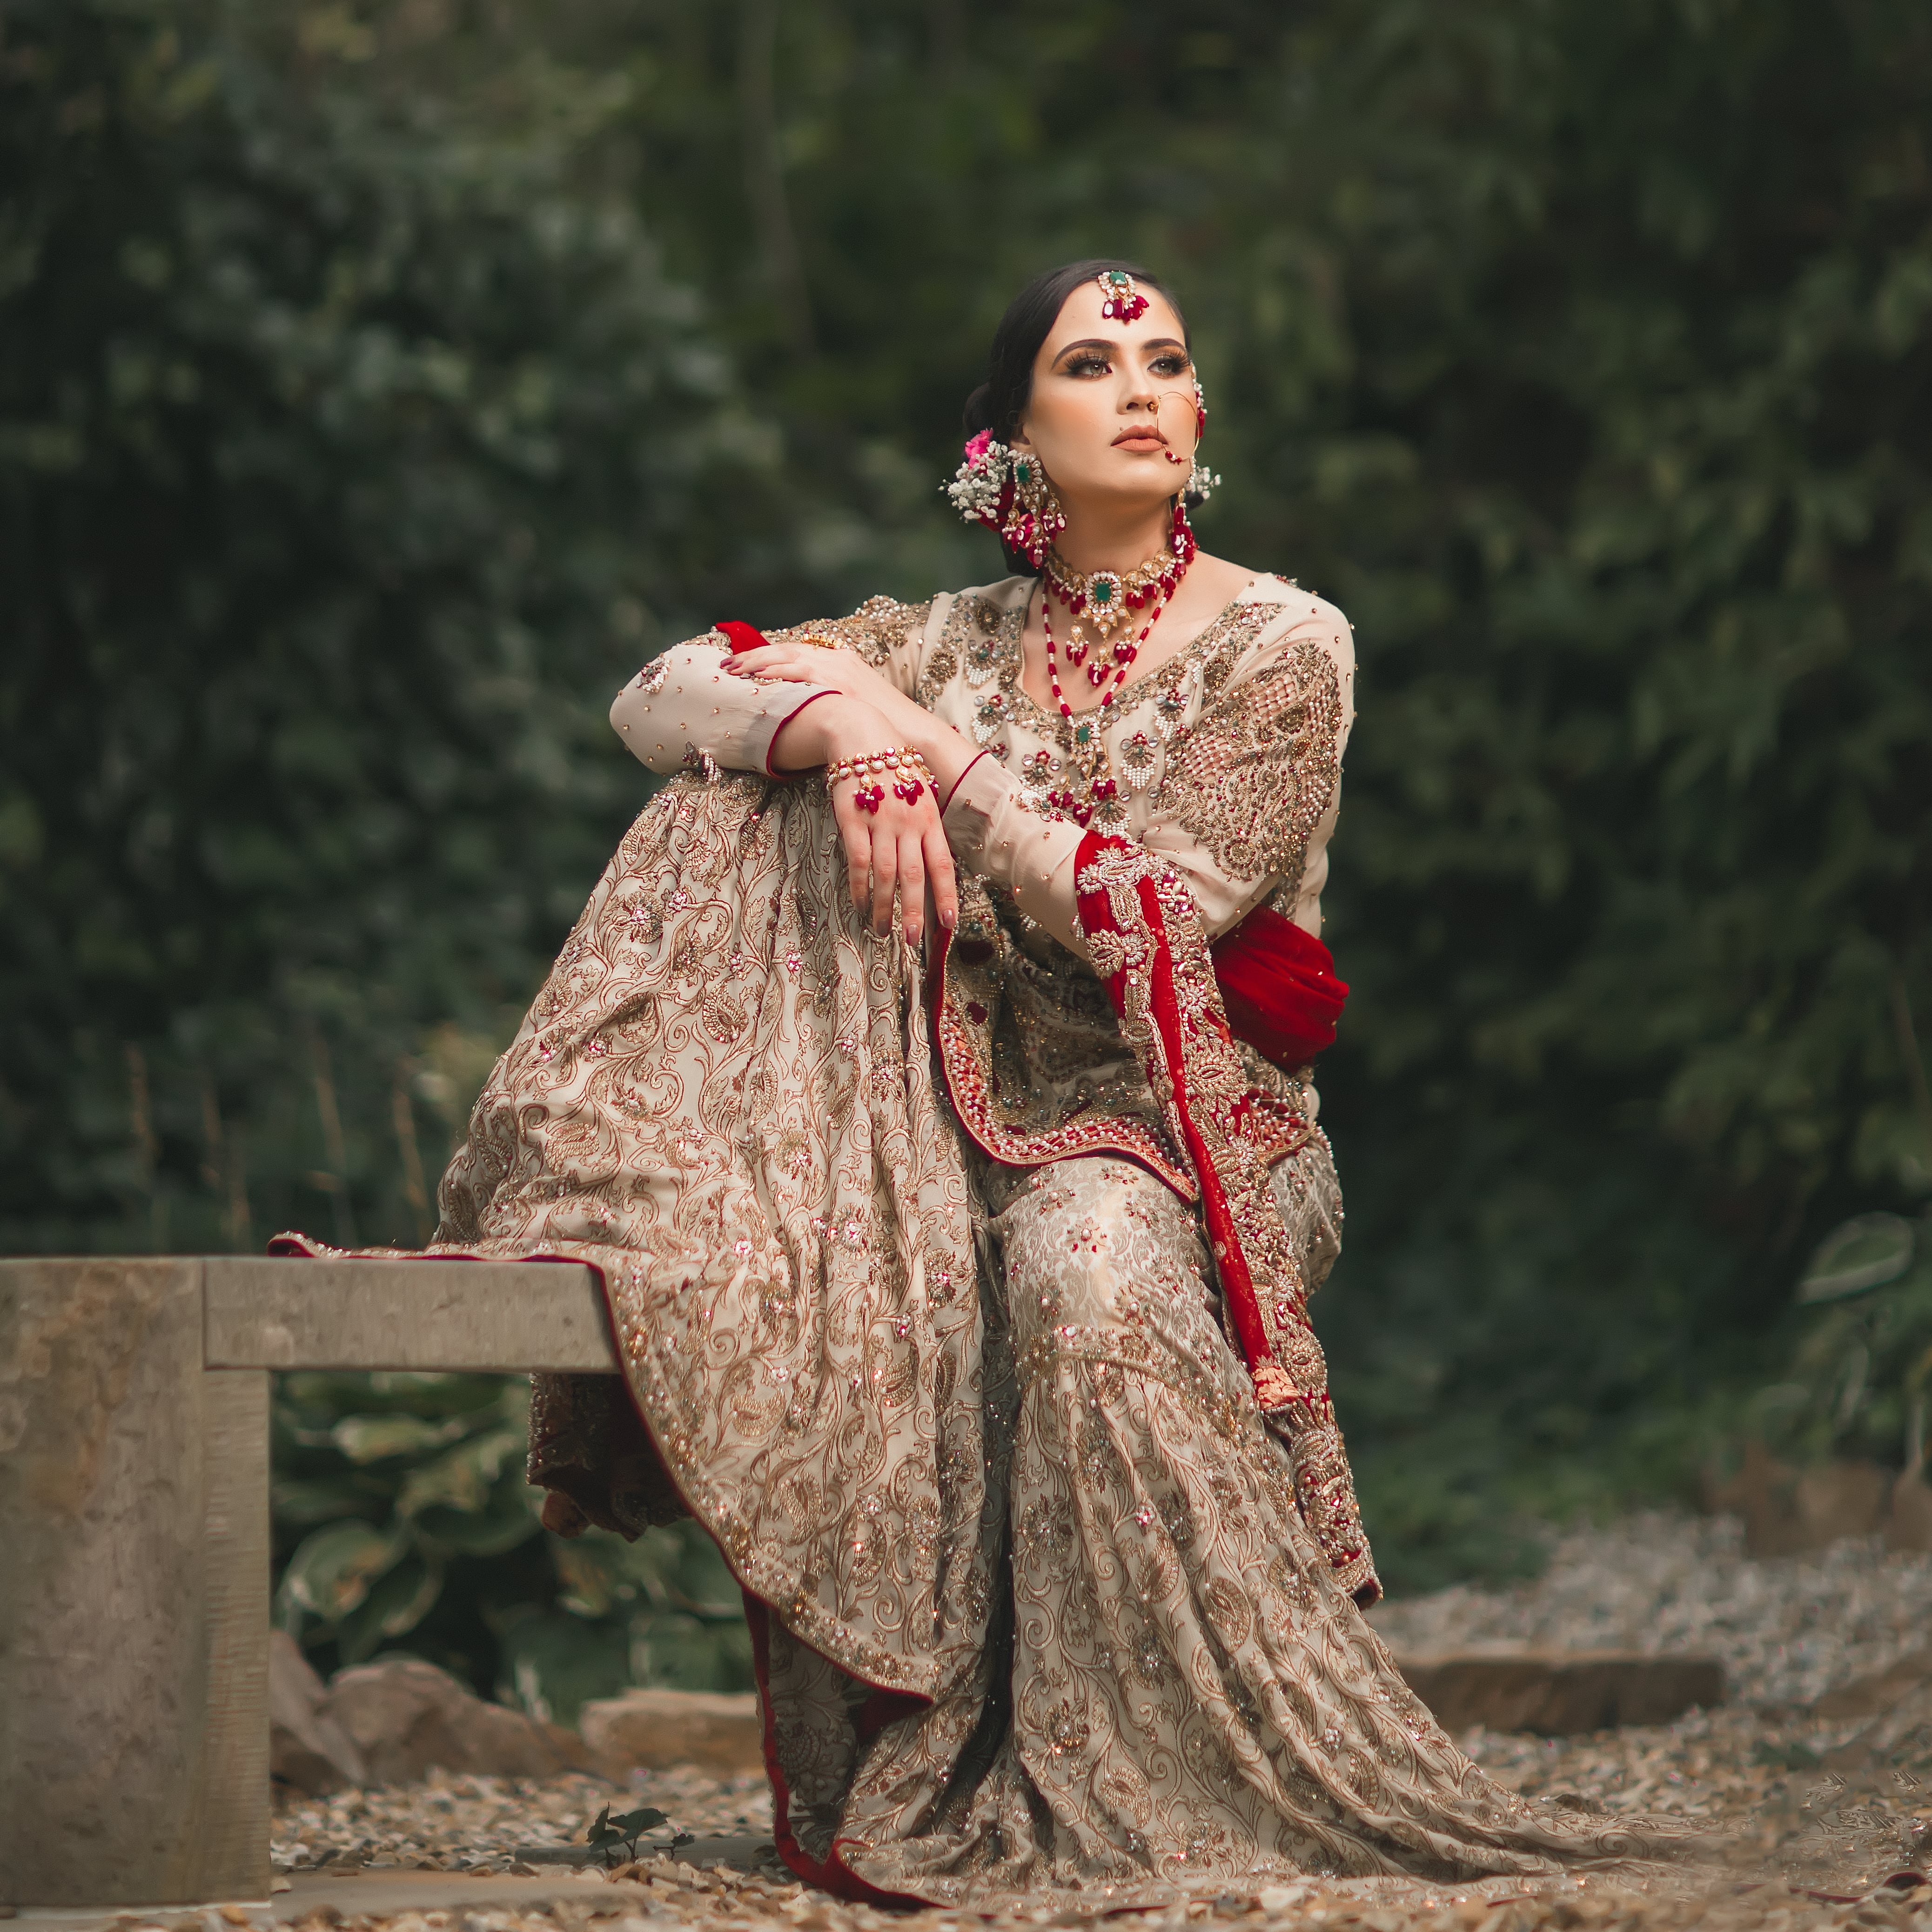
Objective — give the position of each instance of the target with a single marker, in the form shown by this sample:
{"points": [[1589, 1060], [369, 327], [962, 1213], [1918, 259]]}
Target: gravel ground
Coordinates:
{"points": [[1813, 1830], [1787, 1631]]}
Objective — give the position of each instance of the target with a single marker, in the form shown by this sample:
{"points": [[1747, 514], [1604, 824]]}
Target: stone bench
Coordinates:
{"points": [[134, 1584]]}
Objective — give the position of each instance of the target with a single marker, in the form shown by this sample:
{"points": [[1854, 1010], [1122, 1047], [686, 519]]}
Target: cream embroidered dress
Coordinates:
{"points": [[914, 1299]]}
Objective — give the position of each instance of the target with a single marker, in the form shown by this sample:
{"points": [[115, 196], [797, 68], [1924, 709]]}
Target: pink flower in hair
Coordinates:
{"points": [[977, 447]]}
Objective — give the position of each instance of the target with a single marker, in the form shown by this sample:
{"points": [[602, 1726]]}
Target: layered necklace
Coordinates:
{"points": [[1107, 600]]}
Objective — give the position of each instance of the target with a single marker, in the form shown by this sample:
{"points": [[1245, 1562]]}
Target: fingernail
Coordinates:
{"points": [[949, 920]]}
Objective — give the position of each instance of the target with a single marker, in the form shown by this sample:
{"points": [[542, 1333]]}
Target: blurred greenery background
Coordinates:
{"points": [[381, 382]]}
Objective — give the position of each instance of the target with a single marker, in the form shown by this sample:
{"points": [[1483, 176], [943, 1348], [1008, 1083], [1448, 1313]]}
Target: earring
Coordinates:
{"points": [[1007, 490], [1034, 517], [1201, 482]]}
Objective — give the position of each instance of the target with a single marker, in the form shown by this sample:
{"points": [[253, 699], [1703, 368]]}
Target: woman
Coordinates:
{"points": [[997, 1390]]}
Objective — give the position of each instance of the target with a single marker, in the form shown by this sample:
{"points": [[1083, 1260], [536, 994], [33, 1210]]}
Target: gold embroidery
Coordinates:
{"points": [[1252, 779], [880, 628]]}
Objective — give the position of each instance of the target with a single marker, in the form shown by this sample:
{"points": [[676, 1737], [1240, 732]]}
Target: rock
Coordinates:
{"points": [[1909, 1527], [651, 1730], [407, 1716], [1559, 1693], [1901, 1734], [1878, 1691], [308, 1749], [1788, 1512]]}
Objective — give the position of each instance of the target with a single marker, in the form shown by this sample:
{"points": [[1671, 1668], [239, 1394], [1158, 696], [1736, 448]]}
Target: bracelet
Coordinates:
{"points": [[907, 768]]}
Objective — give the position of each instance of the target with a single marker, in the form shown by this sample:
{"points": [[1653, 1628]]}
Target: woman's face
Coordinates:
{"points": [[1111, 415]]}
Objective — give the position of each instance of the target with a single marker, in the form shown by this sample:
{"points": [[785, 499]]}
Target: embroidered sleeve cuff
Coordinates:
{"points": [[682, 702], [995, 834]]}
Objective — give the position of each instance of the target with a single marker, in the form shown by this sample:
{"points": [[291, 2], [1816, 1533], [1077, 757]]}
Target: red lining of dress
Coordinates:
{"points": [[830, 1873]]}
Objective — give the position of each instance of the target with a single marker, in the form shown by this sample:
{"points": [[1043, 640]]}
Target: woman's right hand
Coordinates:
{"points": [[900, 848]]}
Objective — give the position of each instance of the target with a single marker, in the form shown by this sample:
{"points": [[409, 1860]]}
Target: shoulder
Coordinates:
{"points": [[985, 604], [1299, 613], [1297, 636], [880, 629]]}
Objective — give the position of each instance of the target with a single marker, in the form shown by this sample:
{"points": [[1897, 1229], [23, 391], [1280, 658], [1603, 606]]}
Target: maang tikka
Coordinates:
{"points": [[1008, 490]]}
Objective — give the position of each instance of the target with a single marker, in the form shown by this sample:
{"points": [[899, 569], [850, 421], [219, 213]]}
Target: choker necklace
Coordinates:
{"points": [[1107, 599], [1084, 738]]}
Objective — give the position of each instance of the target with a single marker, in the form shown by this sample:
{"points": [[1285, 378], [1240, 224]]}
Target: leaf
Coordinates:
{"points": [[552, 1664], [585, 1577], [376, 1438], [464, 1479], [322, 1499], [396, 1604], [1864, 1252], [333, 1570], [645, 1818]]}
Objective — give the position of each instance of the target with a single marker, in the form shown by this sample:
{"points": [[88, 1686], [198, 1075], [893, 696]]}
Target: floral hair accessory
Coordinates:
{"points": [[1123, 302], [1007, 490]]}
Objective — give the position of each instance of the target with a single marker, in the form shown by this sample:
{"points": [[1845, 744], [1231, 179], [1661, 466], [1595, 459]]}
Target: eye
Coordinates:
{"points": [[1173, 364], [1088, 365]]}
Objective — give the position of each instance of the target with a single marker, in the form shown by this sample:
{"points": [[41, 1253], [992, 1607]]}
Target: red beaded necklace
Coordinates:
{"points": [[1085, 737]]}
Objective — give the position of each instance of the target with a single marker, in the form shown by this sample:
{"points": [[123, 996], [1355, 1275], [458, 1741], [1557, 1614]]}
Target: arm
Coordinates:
{"points": [[697, 699], [685, 702]]}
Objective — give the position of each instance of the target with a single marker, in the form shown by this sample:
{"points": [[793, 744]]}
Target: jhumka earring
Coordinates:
{"points": [[1123, 302], [1008, 490], [1201, 482]]}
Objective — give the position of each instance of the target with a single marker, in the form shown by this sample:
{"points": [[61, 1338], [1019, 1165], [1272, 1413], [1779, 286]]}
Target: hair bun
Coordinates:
{"points": [[978, 413]]}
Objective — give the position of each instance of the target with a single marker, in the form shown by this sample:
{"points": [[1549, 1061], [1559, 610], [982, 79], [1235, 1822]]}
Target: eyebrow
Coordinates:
{"points": [[1113, 347]]}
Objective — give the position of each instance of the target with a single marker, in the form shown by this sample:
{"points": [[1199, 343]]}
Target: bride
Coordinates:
{"points": [[927, 1080]]}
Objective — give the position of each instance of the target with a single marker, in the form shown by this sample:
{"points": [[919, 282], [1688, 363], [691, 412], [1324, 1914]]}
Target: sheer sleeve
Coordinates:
{"points": [[682, 706], [1246, 801]]}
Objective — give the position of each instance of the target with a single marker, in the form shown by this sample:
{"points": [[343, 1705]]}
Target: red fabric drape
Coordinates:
{"points": [[1278, 986]]}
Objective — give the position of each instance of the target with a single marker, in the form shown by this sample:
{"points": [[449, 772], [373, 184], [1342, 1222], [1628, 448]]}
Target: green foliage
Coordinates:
{"points": [[1858, 1380], [350, 455], [377, 382], [402, 1521], [627, 1828]]}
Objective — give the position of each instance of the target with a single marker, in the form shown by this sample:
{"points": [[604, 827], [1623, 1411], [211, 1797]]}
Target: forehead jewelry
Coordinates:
{"points": [[1121, 301]]}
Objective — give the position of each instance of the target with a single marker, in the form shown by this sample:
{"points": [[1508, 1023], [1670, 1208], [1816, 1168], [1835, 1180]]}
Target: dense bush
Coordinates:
{"points": [[350, 455]]}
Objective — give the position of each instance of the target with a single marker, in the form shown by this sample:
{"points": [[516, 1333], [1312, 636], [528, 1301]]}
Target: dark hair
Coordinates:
{"points": [[999, 402]]}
